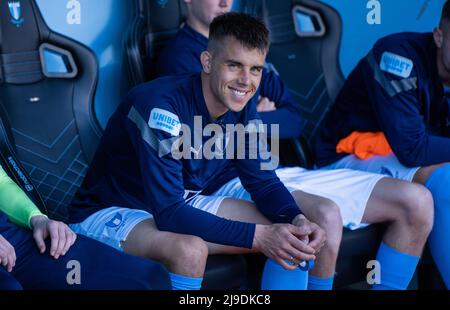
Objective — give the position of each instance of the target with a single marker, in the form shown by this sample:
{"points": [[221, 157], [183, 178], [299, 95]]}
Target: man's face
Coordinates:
{"points": [[234, 75], [204, 11]]}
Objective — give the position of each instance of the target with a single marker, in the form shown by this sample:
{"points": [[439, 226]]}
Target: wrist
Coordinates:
{"points": [[257, 238], [36, 219]]}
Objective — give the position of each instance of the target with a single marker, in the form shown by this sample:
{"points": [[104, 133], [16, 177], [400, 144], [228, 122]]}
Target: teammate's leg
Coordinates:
{"points": [[88, 264], [7, 281], [437, 180], [408, 210]]}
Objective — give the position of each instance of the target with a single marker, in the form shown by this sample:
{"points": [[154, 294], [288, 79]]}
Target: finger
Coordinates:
{"points": [[318, 238], [68, 242], [5, 260], [39, 239], [72, 238], [317, 242], [61, 241], [301, 246], [54, 238], [11, 262], [283, 262], [300, 231], [299, 256], [13, 257], [304, 239]]}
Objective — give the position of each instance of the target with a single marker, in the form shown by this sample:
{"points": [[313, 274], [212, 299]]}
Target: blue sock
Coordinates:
{"points": [[275, 277], [180, 282], [320, 284], [439, 239], [397, 269]]}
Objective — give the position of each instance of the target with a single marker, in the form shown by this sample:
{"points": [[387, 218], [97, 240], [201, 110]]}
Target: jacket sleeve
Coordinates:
{"points": [[391, 77], [15, 203], [287, 113]]}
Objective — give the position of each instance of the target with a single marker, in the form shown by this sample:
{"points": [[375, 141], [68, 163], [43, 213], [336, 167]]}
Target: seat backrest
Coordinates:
{"points": [[47, 88], [305, 41], [163, 20]]}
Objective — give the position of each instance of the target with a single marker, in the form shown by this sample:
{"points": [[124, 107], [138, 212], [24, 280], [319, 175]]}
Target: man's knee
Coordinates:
{"points": [[418, 207], [328, 217], [190, 249]]}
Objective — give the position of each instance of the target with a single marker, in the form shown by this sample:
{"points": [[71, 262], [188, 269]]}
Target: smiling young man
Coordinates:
{"points": [[140, 197], [401, 89]]}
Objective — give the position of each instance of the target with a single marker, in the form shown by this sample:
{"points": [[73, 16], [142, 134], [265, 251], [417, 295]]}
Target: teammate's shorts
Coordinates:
{"points": [[386, 165]]}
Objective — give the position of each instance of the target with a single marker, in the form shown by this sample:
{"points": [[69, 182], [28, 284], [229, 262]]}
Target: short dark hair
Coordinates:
{"points": [[248, 30], [445, 16]]}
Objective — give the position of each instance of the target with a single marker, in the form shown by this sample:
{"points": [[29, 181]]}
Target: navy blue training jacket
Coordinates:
{"points": [[135, 168], [394, 89]]}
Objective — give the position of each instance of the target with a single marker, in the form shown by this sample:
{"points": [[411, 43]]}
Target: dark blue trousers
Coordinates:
{"points": [[99, 266]]}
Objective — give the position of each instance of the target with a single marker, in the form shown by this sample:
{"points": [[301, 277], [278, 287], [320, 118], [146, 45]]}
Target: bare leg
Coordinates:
{"points": [[424, 173], [326, 214], [407, 208], [181, 254]]}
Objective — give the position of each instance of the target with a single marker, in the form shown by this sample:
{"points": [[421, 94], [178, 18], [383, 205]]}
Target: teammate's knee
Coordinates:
{"points": [[418, 207]]}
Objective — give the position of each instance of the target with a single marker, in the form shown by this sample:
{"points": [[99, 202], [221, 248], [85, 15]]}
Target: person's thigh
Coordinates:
{"points": [[387, 201], [237, 210], [147, 241], [88, 264], [112, 225], [386, 165], [7, 281], [424, 173]]}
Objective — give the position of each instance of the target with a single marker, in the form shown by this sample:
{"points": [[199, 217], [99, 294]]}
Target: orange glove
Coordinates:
{"points": [[364, 144]]}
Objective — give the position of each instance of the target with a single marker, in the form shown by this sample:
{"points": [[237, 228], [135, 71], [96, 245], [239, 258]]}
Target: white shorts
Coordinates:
{"points": [[113, 225], [386, 165], [348, 189]]}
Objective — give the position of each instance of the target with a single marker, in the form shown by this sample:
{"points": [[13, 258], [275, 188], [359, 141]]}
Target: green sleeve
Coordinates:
{"points": [[15, 203]]}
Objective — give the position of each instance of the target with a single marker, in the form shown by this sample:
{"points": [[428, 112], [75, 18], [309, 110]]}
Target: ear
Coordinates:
{"points": [[206, 60], [438, 37]]}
